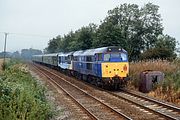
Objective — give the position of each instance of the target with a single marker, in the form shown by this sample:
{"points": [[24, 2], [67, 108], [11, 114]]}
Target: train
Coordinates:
{"points": [[107, 67]]}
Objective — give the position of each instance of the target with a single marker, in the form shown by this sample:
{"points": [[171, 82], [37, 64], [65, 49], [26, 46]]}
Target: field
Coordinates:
{"points": [[169, 89]]}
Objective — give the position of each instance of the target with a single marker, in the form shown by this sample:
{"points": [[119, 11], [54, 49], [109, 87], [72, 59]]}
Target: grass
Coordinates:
{"points": [[0, 66], [169, 89], [21, 97]]}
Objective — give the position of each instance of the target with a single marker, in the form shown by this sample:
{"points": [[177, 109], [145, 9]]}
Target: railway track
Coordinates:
{"points": [[144, 103], [157, 107], [95, 108]]}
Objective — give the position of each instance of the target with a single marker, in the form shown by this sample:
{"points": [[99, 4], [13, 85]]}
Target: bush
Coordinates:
{"points": [[169, 89], [137, 67], [21, 97], [3, 66]]}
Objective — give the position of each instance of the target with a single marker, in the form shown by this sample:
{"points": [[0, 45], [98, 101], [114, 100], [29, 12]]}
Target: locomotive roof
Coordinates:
{"points": [[77, 53], [65, 54], [91, 52], [37, 55]]}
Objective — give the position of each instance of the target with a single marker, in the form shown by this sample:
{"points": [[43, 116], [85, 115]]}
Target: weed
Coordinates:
{"points": [[169, 89], [21, 97]]}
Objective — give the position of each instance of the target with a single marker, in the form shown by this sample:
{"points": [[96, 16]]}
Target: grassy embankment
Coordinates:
{"points": [[21, 97], [1, 62], [169, 89]]}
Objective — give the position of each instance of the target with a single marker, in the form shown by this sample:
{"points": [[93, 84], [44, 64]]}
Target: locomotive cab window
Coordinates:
{"points": [[106, 57], [100, 57], [120, 56], [123, 56], [115, 55]]}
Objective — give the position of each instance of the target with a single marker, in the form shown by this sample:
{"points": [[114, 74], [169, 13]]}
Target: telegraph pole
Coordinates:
{"points": [[5, 47]]}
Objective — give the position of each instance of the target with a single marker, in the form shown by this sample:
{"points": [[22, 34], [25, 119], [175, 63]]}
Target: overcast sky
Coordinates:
{"points": [[31, 23]]}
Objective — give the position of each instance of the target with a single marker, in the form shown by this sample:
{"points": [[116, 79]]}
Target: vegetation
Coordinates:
{"points": [[8, 54], [21, 97], [169, 89], [25, 54], [164, 49], [80, 39], [139, 30], [136, 29]]}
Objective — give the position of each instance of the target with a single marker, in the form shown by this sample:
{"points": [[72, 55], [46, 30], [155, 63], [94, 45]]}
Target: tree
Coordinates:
{"points": [[28, 53], [53, 45], [166, 41], [107, 35], [164, 48], [136, 29], [81, 39], [85, 36], [131, 27], [152, 25], [16, 55]]}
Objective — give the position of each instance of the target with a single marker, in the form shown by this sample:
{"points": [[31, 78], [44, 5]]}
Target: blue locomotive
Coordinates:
{"points": [[105, 66]]}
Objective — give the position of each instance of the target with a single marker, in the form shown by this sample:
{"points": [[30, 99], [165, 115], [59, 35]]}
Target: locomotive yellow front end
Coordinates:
{"points": [[115, 69], [115, 74]]}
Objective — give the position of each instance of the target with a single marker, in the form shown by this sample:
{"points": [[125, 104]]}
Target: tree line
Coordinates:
{"points": [[138, 30], [25, 54]]}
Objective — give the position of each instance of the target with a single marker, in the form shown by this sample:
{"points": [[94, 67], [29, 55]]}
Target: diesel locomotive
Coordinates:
{"points": [[106, 66]]}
